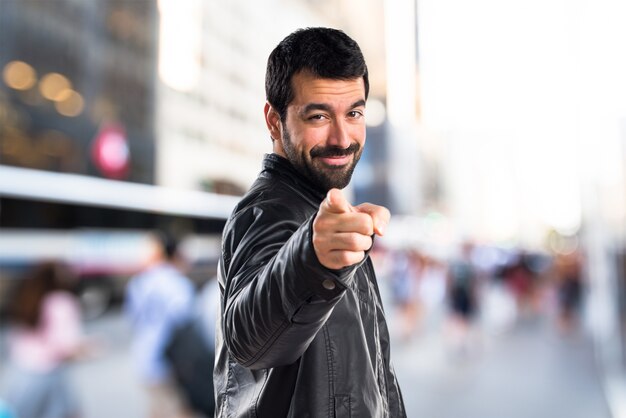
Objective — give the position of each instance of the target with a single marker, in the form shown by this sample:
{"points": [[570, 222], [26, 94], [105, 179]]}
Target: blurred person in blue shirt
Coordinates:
{"points": [[158, 300]]}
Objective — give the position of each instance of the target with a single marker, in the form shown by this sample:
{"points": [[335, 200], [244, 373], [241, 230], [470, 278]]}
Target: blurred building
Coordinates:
{"points": [[78, 87], [210, 94], [78, 91]]}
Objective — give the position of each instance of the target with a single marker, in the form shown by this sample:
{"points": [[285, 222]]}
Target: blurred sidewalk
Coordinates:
{"points": [[529, 372]]}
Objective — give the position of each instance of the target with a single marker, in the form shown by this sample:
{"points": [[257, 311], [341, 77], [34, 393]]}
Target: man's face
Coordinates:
{"points": [[324, 131]]}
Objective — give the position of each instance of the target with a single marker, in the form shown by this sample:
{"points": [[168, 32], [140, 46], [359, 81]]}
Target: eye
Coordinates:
{"points": [[318, 116], [355, 114]]}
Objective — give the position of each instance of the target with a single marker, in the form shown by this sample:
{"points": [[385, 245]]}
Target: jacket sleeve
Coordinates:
{"points": [[277, 295]]}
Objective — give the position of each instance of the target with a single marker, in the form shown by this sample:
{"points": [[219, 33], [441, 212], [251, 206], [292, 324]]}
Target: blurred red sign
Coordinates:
{"points": [[110, 152]]}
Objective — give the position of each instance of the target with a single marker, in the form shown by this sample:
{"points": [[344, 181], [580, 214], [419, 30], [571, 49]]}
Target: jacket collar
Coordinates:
{"points": [[281, 165]]}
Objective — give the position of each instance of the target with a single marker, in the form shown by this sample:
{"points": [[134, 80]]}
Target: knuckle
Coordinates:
{"points": [[320, 223], [345, 259], [317, 240], [353, 240], [348, 258]]}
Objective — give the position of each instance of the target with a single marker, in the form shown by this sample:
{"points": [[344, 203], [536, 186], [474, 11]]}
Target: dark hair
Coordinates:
{"points": [[324, 52], [169, 243], [40, 280]]}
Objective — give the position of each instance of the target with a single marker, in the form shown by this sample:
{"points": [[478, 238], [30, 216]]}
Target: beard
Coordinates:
{"points": [[324, 176]]}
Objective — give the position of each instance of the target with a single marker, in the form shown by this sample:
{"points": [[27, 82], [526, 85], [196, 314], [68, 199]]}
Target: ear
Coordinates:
{"points": [[272, 120]]}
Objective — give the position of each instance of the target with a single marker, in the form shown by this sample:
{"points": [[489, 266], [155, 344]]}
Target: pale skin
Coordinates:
{"points": [[323, 113]]}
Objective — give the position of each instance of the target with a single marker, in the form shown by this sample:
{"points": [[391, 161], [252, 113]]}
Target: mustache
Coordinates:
{"points": [[334, 151]]}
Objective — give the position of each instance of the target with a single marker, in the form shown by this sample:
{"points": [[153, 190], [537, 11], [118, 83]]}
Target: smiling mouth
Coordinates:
{"points": [[336, 160]]}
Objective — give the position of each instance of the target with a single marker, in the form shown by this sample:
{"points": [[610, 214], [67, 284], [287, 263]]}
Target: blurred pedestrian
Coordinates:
{"points": [[522, 284], [190, 351], [569, 287], [158, 300], [432, 290], [462, 294], [302, 330], [404, 285], [45, 335]]}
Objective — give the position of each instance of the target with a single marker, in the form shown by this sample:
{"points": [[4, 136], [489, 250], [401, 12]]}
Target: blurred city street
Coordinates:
{"points": [[499, 151], [528, 372]]}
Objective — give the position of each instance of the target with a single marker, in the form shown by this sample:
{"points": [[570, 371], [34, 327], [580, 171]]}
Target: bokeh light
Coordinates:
{"points": [[72, 103], [54, 86], [19, 75]]}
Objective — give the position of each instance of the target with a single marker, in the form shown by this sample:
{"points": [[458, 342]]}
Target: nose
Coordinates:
{"points": [[339, 135]]}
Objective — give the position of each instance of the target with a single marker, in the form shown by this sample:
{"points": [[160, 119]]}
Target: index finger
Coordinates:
{"points": [[336, 202]]}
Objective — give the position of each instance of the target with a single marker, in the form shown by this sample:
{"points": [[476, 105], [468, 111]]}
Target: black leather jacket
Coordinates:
{"points": [[295, 338]]}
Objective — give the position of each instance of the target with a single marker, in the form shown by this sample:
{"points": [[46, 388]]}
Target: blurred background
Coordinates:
{"points": [[496, 137]]}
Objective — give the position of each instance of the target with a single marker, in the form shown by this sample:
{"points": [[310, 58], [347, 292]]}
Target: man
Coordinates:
{"points": [[302, 330]]}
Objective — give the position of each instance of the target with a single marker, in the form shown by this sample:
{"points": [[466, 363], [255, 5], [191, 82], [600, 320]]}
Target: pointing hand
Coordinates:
{"points": [[343, 233]]}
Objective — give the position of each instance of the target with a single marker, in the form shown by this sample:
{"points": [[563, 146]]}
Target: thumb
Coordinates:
{"points": [[336, 202], [380, 216]]}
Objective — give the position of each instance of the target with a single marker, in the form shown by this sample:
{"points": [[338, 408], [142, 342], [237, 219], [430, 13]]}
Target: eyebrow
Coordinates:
{"points": [[323, 106]]}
